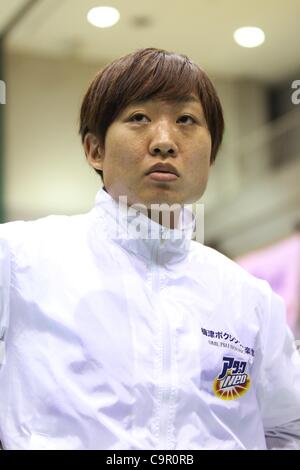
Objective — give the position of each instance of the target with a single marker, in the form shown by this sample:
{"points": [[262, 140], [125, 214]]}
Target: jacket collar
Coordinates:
{"points": [[137, 233]]}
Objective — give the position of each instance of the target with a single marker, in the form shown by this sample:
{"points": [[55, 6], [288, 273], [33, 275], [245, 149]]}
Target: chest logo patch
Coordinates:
{"points": [[233, 382]]}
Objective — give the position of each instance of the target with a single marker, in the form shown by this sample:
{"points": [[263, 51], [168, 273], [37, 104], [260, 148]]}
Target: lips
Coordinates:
{"points": [[163, 168]]}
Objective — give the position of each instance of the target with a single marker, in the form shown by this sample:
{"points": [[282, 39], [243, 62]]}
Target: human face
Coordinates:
{"points": [[151, 132]]}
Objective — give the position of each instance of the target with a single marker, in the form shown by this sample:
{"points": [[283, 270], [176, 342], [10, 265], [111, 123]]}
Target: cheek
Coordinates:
{"points": [[201, 154], [206, 144], [125, 152], [199, 175]]}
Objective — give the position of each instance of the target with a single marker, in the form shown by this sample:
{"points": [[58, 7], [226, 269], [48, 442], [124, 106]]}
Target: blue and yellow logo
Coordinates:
{"points": [[233, 382]]}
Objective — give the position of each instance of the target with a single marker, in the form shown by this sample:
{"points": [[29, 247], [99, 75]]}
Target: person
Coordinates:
{"points": [[118, 329]]}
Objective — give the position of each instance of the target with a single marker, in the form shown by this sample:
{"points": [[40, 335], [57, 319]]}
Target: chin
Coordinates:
{"points": [[167, 200], [167, 196]]}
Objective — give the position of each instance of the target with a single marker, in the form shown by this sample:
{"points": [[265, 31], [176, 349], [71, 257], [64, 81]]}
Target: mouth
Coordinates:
{"points": [[163, 172], [162, 176]]}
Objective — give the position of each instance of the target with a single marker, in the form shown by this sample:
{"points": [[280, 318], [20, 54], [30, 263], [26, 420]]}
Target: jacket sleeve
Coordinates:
{"points": [[4, 295], [279, 383]]}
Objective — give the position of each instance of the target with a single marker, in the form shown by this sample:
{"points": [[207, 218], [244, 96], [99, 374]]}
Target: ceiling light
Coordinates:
{"points": [[249, 36], [103, 17]]}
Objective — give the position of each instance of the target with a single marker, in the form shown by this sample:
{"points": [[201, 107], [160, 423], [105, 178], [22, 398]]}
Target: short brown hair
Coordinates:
{"points": [[144, 74]]}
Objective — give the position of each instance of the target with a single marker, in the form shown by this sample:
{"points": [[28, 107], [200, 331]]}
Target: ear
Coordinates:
{"points": [[93, 151]]}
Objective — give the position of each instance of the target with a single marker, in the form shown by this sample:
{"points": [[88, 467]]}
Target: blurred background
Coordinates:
{"points": [[49, 52]]}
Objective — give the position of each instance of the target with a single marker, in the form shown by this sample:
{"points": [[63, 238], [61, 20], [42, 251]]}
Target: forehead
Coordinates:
{"points": [[175, 102]]}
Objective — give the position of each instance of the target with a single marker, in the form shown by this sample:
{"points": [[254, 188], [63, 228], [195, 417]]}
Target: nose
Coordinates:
{"points": [[163, 142]]}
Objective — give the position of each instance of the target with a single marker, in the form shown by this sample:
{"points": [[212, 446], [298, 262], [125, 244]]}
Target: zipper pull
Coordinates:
{"points": [[162, 236]]}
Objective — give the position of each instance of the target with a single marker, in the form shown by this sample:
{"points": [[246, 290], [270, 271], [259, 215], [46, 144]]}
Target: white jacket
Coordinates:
{"points": [[113, 342]]}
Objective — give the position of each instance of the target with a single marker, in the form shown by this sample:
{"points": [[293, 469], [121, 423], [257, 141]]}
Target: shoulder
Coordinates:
{"points": [[230, 276], [210, 257], [50, 230]]}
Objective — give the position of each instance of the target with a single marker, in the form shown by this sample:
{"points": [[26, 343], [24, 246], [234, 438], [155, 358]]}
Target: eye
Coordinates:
{"points": [[138, 117], [185, 117]]}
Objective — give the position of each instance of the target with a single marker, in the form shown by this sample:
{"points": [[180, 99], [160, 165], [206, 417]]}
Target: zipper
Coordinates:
{"points": [[164, 385]]}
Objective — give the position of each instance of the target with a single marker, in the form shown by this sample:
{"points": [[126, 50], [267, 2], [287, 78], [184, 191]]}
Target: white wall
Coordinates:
{"points": [[245, 111], [45, 166]]}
